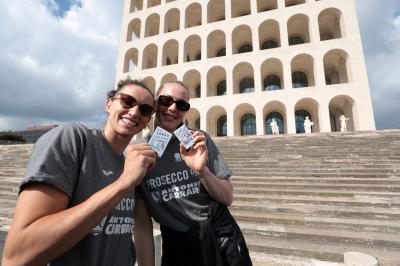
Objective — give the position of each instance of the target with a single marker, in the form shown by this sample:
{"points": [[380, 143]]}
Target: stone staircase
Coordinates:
{"points": [[318, 196], [13, 162], [297, 197]]}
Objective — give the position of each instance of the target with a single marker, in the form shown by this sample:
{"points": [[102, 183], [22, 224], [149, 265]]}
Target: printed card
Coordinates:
{"points": [[159, 140], [184, 136]]}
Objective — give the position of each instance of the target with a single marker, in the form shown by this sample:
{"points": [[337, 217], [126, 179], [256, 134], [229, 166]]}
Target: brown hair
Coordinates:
{"points": [[128, 81], [174, 82]]}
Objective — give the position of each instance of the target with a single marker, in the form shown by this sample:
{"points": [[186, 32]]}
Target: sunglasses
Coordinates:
{"points": [[128, 102], [167, 101]]}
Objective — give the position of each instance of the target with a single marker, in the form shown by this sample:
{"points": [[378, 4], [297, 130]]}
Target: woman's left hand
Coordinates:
{"points": [[196, 157]]}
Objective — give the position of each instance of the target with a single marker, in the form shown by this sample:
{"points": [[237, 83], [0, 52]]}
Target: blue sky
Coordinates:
{"points": [[61, 7], [57, 60]]}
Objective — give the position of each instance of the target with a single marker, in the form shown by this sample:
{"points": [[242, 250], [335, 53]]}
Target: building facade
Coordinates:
{"points": [[248, 62]]}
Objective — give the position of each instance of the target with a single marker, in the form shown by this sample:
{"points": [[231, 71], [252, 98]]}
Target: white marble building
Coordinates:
{"points": [[248, 61]]}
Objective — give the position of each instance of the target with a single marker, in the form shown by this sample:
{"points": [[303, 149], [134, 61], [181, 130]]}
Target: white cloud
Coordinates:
{"points": [[56, 69], [380, 30]]}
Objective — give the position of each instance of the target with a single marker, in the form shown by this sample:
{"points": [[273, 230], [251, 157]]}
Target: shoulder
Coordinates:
{"points": [[71, 127], [67, 133], [75, 127]]}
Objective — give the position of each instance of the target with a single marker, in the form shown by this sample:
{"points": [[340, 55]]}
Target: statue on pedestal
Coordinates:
{"points": [[307, 125], [343, 123], [274, 127]]}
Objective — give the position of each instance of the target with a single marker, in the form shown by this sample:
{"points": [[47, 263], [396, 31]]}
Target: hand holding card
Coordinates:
{"points": [[184, 136], [159, 140]]}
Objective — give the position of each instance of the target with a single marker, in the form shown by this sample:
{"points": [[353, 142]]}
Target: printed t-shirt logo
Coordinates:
{"points": [[156, 196], [99, 228], [120, 222], [175, 185], [177, 157], [107, 172]]}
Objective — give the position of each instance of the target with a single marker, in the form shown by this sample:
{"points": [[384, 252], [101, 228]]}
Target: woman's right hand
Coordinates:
{"points": [[139, 158]]}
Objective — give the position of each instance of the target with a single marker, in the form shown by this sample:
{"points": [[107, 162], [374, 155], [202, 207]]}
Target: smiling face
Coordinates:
{"points": [[123, 121], [169, 117]]}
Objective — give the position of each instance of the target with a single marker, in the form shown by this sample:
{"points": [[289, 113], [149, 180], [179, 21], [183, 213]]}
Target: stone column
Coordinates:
{"points": [[230, 123], [259, 121], [290, 120]]}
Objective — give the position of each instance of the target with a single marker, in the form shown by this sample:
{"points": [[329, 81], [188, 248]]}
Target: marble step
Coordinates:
{"points": [[322, 223], [370, 240], [363, 213], [260, 186], [258, 181], [349, 201], [325, 252]]}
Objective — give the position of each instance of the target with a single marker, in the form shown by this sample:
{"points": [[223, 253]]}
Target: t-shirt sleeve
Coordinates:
{"points": [[216, 163], [56, 158]]}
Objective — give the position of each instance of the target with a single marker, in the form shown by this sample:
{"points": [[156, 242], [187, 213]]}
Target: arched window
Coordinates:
{"points": [[246, 85], [245, 48], [294, 40], [299, 79], [197, 124], [248, 125], [198, 56], [221, 52], [300, 116], [333, 78], [272, 83], [198, 91], [221, 88], [221, 126], [269, 45], [278, 119]]}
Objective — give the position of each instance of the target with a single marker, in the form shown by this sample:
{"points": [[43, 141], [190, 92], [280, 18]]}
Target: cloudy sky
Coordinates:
{"points": [[58, 57]]}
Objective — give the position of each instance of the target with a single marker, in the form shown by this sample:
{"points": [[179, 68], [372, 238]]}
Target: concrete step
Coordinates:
{"points": [[314, 165], [300, 163], [7, 203], [7, 212], [327, 235], [8, 195], [319, 210], [15, 175], [321, 186], [315, 220], [323, 175], [260, 192], [349, 200], [293, 156], [334, 223], [326, 252], [9, 181], [256, 181], [313, 170], [9, 188]]}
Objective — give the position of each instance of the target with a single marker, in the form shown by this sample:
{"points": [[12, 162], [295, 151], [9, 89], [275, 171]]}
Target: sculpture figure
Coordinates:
{"points": [[274, 127], [343, 123], [307, 125]]}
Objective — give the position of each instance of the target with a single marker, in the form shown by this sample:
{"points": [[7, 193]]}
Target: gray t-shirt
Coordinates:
{"points": [[80, 162], [173, 193]]}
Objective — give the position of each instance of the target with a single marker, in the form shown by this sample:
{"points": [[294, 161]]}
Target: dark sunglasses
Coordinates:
{"points": [[167, 101], [129, 102]]}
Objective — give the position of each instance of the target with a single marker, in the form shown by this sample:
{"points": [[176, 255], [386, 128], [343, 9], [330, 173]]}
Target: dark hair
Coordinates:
{"points": [[174, 82], [128, 81]]}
